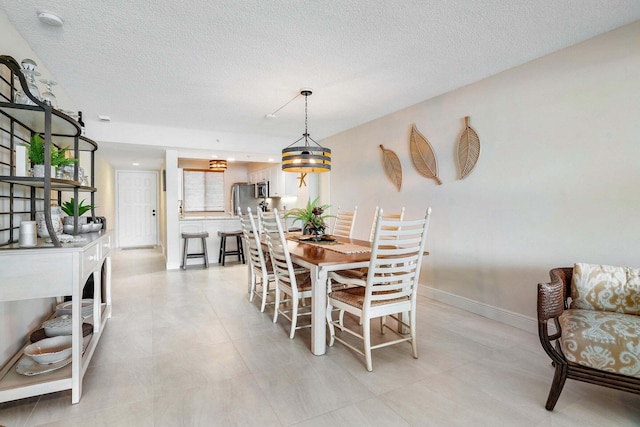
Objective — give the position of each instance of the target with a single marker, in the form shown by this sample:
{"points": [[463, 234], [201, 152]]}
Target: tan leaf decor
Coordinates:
{"points": [[468, 150], [392, 166], [423, 156]]}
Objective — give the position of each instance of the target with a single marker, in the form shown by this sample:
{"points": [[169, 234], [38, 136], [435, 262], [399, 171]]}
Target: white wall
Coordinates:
{"points": [[556, 183]]}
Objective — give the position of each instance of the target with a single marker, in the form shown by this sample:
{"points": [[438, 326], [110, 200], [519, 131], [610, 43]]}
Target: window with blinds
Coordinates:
{"points": [[203, 191]]}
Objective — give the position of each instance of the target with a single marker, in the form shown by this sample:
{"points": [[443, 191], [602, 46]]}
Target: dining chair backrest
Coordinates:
{"points": [[388, 227], [344, 222], [394, 269], [281, 214], [279, 251], [257, 258]]}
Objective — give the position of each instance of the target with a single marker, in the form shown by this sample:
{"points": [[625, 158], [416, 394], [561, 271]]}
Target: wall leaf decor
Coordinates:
{"points": [[468, 150], [423, 156], [392, 166]]}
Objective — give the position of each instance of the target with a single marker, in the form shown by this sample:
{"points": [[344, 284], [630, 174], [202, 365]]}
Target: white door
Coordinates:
{"points": [[137, 209]]}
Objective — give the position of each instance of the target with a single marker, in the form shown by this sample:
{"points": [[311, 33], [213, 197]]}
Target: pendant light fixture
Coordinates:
{"points": [[306, 158], [217, 165]]}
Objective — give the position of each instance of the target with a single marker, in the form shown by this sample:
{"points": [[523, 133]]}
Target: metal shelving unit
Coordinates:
{"points": [[57, 129]]}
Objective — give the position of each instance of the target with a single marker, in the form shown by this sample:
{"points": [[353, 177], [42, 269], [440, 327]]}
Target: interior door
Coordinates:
{"points": [[137, 208]]}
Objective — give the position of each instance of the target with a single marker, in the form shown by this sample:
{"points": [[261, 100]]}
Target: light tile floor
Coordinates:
{"points": [[186, 348]]}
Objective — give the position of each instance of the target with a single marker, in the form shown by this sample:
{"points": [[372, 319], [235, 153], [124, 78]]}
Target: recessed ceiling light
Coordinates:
{"points": [[50, 18], [135, 164], [230, 159], [271, 160]]}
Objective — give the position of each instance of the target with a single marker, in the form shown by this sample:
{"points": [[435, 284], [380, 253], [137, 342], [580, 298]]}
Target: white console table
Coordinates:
{"points": [[45, 272]]}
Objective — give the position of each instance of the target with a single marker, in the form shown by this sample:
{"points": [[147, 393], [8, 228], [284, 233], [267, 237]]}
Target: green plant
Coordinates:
{"points": [[36, 150], [58, 156], [67, 207], [312, 216]]}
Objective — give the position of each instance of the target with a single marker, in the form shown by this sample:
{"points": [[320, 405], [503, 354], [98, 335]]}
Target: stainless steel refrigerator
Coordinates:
{"points": [[243, 196]]}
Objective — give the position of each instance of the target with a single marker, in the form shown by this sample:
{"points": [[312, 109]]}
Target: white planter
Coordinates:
{"points": [[38, 171]]}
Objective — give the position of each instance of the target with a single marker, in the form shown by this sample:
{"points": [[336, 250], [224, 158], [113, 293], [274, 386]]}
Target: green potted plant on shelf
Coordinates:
{"points": [[59, 156], [312, 217], [67, 207]]}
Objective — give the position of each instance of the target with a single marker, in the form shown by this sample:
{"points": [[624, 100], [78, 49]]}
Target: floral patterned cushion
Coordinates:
{"points": [[606, 288], [602, 340]]}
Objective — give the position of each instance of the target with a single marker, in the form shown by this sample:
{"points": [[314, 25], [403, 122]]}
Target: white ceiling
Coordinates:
{"points": [[221, 66]]}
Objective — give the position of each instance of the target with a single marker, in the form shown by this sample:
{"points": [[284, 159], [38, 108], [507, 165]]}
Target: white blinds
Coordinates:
{"points": [[203, 191]]}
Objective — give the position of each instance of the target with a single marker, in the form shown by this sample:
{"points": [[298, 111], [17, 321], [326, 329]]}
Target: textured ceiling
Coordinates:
{"points": [[221, 66]]}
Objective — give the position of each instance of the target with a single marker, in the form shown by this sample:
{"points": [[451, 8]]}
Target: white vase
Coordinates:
{"points": [[38, 171], [56, 221]]}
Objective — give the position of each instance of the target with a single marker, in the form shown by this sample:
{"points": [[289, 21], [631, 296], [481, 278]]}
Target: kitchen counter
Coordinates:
{"points": [[222, 217]]}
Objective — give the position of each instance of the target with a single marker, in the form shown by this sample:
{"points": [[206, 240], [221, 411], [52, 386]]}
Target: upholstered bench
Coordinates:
{"points": [[596, 314]]}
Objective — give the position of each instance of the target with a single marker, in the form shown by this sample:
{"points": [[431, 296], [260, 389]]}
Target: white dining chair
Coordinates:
{"points": [[344, 222], [386, 216], [290, 278], [261, 270], [281, 214], [389, 288]]}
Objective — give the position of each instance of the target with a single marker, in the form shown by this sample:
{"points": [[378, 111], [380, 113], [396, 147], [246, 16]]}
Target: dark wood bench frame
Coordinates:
{"points": [[553, 299]]}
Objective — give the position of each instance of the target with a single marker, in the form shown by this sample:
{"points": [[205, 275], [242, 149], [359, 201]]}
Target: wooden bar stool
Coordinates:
{"points": [[185, 252], [223, 246]]}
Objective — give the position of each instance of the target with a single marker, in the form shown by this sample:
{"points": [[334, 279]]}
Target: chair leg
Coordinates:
{"points": [[184, 254], [205, 252], [559, 379], [252, 284], [265, 293], [221, 253], [383, 321], [366, 334], [276, 306], [414, 341], [294, 317]]}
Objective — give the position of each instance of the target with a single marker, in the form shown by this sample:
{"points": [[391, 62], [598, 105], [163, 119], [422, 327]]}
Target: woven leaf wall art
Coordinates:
{"points": [[423, 156], [392, 166], [468, 150]]}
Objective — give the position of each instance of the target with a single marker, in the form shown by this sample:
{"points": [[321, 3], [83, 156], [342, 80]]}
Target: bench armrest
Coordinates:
{"points": [[552, 301]]}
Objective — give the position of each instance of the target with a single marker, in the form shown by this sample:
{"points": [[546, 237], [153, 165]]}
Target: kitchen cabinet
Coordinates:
{"points": [[50, 272], [281, 184]]}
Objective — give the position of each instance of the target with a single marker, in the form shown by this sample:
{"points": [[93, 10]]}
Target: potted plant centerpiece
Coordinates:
{"points": [[312, 217], [67, 207], [36, 155]]}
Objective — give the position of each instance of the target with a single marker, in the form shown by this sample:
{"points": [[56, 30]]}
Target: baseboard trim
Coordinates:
{"points": [[485, 310]]}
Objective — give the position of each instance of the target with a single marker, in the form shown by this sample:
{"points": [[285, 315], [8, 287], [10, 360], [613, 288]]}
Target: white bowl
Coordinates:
{"points": [[58, 326], [50, 350], [65, 308]]}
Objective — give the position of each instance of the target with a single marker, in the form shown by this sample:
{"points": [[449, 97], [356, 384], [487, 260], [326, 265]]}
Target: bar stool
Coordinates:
{"points": [[185, 252], [223, 246]]}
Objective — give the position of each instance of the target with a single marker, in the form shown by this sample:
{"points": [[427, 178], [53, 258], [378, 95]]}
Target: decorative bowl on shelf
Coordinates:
{"points": [[58, 326], [65, 308], [50, 350], [87, 333], [95, 226]]}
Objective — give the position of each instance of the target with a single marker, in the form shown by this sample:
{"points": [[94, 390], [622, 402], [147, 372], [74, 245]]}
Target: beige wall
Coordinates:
{"points": [[556, 183]]}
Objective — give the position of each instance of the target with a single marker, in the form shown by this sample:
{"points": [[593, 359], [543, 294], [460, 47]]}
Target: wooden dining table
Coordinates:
{"points": [[320, 259]]}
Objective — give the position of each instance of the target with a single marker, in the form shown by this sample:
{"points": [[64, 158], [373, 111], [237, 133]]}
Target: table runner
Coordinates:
{"points": [[336, 246]]}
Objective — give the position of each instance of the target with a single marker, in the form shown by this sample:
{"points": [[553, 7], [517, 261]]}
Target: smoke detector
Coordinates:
{"points": [[50, 18]]}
